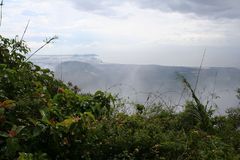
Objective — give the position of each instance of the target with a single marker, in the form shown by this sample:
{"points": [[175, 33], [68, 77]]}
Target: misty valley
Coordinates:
{"points": [[147, 84]]}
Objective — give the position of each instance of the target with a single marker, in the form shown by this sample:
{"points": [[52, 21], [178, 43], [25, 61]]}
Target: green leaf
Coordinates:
{"points": [[45, 116], [90, 115], [2, 110], [12, 146], [19, 129], [3, 134], [2, 66], [67, 122], [25, 156], [37, 131]]}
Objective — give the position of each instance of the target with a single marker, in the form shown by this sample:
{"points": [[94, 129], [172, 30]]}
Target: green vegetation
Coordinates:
{"points": [[42, 118]]}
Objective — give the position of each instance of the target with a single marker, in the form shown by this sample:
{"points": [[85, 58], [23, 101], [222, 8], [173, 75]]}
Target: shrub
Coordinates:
{"points": [[42, 118]]}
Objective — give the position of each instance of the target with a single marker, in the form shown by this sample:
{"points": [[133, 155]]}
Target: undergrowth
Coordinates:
{"points": [[42, 118]]}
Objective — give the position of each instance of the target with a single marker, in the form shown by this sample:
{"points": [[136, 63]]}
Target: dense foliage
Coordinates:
{"points": [[42, 118]]}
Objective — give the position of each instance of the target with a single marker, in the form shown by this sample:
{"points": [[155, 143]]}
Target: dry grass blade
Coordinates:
{"points": [[199, 70], [25, 30], [47, 42]]}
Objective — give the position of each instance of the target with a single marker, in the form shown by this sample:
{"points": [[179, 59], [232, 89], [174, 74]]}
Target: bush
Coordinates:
{"points": [[42, 118]]}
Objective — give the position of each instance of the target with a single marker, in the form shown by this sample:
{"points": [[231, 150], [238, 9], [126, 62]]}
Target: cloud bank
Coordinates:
{"points": [[207, 8], [218, 9]]}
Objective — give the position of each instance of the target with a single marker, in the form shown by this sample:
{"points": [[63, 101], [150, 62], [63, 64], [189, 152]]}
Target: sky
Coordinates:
{"points": [[164, 32]]}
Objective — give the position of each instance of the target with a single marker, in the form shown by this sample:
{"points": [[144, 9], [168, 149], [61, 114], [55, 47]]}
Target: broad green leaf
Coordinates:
{"points": [[90, 115], [45, 116], [68, 122], [37, 131], [3, 134], [19, 129]]}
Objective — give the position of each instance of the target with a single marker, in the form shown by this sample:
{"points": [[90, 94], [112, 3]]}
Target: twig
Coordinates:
{"points": [[214, 85], [180, 99], [61, 68], [200, 68], [25, 30], [47, 42], [1, 4], [213, 94]]}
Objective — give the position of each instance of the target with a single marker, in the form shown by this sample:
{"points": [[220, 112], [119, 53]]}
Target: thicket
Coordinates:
{"points": [[42, 118]]}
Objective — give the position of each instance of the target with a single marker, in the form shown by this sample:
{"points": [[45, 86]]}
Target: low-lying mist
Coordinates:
{"points": [[149, 84]]}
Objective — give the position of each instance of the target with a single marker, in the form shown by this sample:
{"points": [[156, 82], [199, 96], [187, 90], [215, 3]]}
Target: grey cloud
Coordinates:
{"points": [[87, 5], [206, 8], [102, 7]]}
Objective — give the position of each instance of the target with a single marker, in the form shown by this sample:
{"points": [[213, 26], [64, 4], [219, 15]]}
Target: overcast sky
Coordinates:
{"points": [[165, 32]]}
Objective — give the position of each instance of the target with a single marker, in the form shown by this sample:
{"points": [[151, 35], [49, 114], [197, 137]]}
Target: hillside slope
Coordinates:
{"points": [[139, 81]]}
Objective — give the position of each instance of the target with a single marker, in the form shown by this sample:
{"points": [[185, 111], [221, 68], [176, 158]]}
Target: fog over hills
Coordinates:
{"points": [[145, 84], [153, 83]]}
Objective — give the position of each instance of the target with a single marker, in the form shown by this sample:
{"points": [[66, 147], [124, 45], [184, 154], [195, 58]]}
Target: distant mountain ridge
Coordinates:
{"points": [[141, 81], [51, 61]]}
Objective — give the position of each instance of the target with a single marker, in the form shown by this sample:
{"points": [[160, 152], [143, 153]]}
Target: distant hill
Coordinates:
{"points": [[51, 61], [153, 82]]}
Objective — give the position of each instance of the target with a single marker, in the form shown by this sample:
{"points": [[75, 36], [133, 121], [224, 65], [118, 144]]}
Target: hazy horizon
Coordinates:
{"points": [[38, 59]]}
